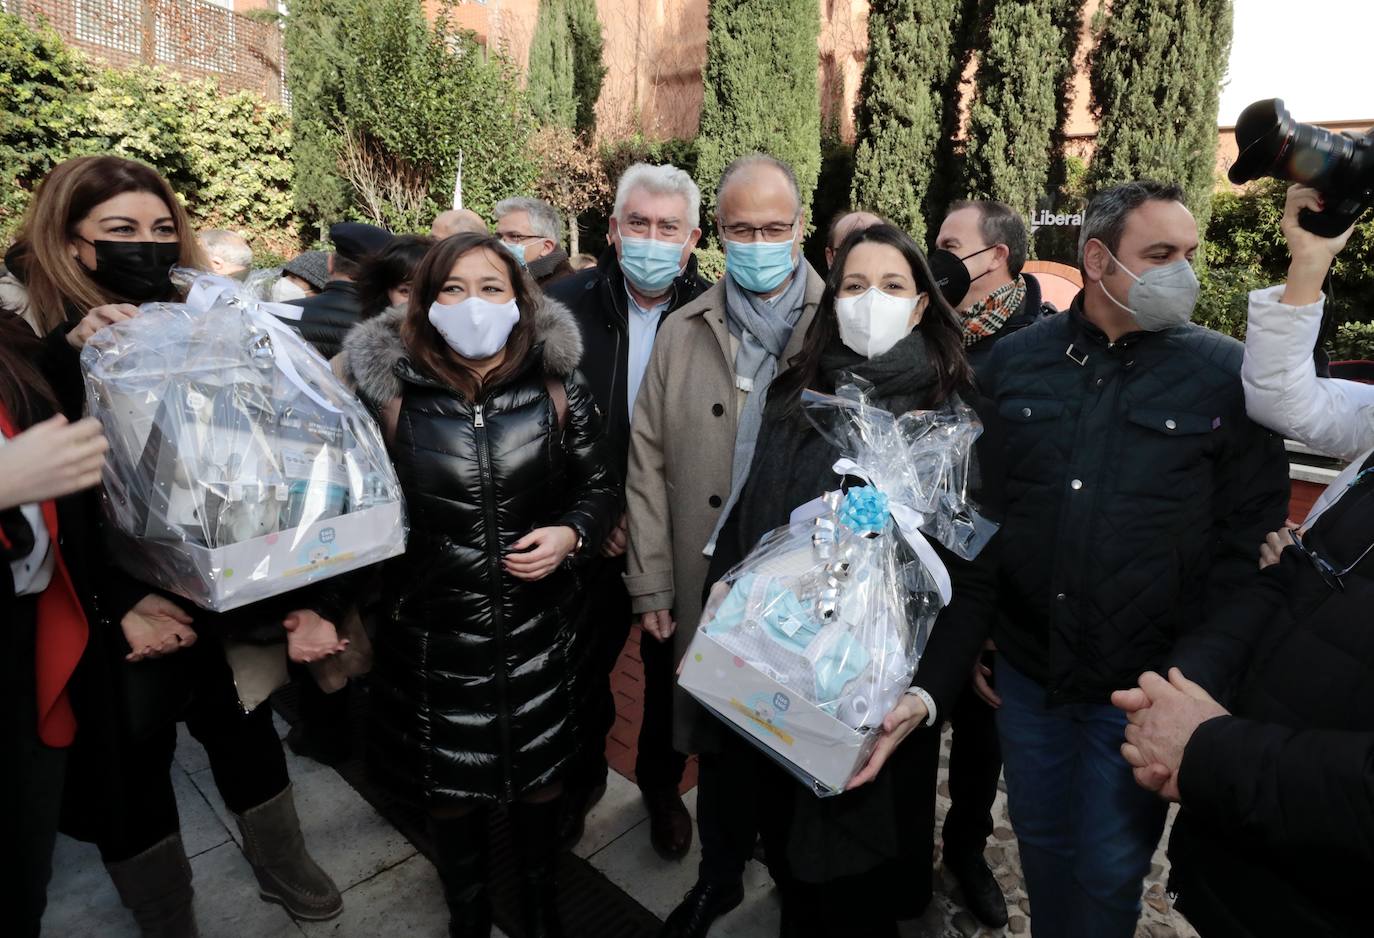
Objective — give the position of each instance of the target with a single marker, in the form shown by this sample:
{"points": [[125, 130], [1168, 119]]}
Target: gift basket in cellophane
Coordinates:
{"points": [[807, 644], [239, 466]]}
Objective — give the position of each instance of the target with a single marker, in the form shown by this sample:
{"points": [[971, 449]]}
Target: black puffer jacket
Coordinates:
{"points": [[472, 693], [600, 305], [1276, 836], [1137, 493], [328, 316]]}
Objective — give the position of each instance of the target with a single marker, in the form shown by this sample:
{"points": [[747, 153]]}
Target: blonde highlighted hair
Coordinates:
{"points": [[56, 281]]}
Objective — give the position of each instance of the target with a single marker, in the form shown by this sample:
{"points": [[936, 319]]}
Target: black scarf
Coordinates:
{"points": [[903, 377]]}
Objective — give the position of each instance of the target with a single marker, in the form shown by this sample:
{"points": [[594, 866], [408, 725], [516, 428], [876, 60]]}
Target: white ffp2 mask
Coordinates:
{"points": [[475, 328], [874, 322]]}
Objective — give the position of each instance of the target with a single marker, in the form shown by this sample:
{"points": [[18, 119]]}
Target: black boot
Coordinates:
{"points": [[461, 849], [982, 895], [535, 825]]}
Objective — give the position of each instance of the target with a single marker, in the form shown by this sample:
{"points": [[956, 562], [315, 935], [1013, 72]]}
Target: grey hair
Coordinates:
{"points": [[229, 246], [659, 180], [544, 218], [751, 160], [1105, 218]]}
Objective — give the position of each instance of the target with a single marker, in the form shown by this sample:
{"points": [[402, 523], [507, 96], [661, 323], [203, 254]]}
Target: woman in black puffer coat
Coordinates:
{"points": [[499, 450]]}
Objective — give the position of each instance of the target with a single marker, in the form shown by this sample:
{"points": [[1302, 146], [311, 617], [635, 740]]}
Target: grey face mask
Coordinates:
{"points": [[1162, 297]]}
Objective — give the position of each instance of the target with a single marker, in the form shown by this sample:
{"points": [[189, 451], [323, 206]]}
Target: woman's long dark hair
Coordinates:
{"points": [[24, 391], [427, 347], [386, 270], [939, 324]]}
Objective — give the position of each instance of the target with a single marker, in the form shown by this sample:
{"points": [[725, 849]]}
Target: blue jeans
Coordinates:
{"points": [[1085, 829]]}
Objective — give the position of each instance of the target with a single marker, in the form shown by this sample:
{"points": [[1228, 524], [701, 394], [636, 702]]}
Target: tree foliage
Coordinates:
{"points": [[565, 67], [314, 47], [42, 79], [761, 89], [415, 96], [589, 71], [226, 155], [1156, 75], [571, 177], [913, 47], [1016, 113], [550, 82]]}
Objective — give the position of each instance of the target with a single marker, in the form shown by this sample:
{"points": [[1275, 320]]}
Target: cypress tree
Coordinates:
{"points": [[1156, 78], [588, 69], [914, 46], [1015, 116], [314, 48], [550, 83], [761, 89]]}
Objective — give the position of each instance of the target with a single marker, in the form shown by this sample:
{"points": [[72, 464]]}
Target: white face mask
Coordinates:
{"points": [[284, 291], [874, 322], [475, 328]]}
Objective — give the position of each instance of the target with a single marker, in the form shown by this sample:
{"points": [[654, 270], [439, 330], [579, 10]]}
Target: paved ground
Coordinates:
{"points": [[391, 890]]}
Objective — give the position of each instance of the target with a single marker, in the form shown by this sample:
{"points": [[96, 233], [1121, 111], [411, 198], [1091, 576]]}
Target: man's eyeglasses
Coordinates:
{"points": [[516, 237], [1331, 572], [774, 231]]}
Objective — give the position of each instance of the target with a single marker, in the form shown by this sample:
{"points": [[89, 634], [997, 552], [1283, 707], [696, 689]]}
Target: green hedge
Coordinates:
{"points": [[227, 155]]}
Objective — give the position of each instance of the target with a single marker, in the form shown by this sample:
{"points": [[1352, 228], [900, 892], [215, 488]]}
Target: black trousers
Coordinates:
{"points": [[246, 757], [31, 781], [731, 809], [975, 763], [607, 626]]}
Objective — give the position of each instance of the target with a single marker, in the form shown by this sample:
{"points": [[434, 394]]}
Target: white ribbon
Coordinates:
{"points": [[908, 520], [209, 290]]}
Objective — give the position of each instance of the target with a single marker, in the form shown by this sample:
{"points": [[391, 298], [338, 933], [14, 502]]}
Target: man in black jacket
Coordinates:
{"points": [[1136, 490], [1276, 835], [646, 273], [327, 316], [989, 239]]}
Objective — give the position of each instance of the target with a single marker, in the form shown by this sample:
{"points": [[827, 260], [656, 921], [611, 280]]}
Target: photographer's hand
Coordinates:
{"points": [[1312, 255]]}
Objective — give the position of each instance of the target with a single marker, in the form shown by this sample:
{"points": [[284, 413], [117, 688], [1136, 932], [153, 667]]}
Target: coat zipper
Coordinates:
{"points": [[479, 426]]}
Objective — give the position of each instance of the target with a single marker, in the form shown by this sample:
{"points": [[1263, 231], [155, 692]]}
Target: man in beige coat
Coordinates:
{"points": [[696, 418]]}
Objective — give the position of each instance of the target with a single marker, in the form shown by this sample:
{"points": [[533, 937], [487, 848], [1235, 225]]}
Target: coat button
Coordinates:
{"points": [[1076, 484], [1170, 425], [713, 501], [1025, 411], [718, 410]]}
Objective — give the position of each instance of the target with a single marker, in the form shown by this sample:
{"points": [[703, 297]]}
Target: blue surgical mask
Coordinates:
{"points": [[651, 266], [759, 266], [518, 250]]}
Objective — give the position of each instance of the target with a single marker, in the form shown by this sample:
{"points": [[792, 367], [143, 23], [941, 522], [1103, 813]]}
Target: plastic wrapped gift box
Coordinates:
{"points": [[239, 468]]}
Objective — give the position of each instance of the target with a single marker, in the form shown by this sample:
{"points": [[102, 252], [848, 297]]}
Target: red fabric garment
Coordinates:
{"points": [[62, 634]]}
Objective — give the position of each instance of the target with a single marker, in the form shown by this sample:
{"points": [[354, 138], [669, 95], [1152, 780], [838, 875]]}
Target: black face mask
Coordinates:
{"points": [[951, 275], [137, 271]]}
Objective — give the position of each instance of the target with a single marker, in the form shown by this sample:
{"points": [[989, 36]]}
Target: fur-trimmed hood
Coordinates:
{"points": [[372, 349]]}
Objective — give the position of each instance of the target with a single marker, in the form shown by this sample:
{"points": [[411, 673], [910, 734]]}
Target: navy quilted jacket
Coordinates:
{"points": [[1137, 495]]}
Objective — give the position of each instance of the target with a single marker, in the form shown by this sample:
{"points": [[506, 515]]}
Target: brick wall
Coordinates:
{"points": [[196, 38]]}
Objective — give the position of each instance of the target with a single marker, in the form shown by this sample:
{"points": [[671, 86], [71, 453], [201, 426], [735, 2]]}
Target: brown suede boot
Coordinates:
{"points": [[286, 873], [156, 887]]}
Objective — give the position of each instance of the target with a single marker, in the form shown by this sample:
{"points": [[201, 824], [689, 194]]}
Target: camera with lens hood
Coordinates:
{"points": [[1339, 166]]}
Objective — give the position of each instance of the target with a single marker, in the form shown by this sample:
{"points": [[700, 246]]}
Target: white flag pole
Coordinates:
{"points": [[458, 184]]}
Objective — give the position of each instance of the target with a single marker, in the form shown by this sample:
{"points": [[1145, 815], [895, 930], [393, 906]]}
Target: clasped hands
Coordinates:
{"points": [[1162, 716], [156, 627]]}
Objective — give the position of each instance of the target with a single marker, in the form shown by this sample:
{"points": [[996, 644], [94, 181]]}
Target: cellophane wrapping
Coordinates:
{"points": [[239, 466], [833, 610]]}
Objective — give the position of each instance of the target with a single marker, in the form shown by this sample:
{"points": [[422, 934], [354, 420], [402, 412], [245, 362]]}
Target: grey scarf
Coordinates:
{"points": [[763, 330]]}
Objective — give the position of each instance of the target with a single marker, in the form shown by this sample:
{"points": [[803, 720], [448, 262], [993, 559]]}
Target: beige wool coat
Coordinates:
{"points": [[682, 447]]}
